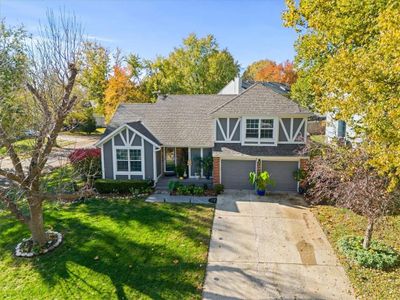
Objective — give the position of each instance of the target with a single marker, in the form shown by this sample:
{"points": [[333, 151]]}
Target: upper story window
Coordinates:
{"points": [[259, 129]]}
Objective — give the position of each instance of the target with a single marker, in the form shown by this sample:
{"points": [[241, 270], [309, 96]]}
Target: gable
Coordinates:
{"points": [[259, 100]]}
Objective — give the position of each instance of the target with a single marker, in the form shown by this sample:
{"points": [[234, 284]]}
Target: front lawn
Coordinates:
{"points": [[125, 249], [368, 283]]}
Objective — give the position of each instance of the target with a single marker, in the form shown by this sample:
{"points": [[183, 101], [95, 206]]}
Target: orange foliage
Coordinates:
{"points": [[274, 72], [120, 89]]}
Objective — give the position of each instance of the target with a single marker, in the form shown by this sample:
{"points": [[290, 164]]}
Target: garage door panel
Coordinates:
{"points": [[235, 173], [282, 174]]}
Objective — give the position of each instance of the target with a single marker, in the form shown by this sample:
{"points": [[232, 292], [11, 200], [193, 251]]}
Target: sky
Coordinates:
{"points": [[250, 29]]}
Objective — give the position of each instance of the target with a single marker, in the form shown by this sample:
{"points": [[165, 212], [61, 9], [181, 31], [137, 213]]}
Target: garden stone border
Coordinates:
{"points": [[19, 253], [166, 198]]}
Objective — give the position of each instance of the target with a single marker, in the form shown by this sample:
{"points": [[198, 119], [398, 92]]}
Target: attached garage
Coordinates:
{"points": [[235, 173], [282, 173]]}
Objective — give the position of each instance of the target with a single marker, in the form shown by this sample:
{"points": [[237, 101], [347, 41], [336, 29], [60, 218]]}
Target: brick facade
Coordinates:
{"points": [[216, 170]]}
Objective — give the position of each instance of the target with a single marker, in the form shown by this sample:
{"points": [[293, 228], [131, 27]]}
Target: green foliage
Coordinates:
{"points": [[347, 60], [198, 191], [110, 186], [299, 174], [173, 185], [180, 170], [95, 69], [218, 188], [89, 123], [378, 256], [252, 69], [207, 164], [260, 180], [183, 190], [198, 66]]}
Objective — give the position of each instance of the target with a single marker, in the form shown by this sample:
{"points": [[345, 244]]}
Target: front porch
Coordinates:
{"points": [[162, 183]]}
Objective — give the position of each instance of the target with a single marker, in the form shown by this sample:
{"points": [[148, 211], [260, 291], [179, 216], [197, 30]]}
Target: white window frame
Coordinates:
{"points": [[260, 141], [129, 172]]}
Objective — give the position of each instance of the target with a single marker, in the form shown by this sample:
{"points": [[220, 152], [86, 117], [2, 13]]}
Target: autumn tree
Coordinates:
{"points": [[95, 69], [268, 70], [348, 57], [341, 175], [198, 66], [121, 89], [53, 61]]}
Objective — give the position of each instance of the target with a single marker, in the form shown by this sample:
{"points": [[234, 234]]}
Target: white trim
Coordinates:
{"points": [[114, 165], [234, 130], [298, 129], [123, 138], [118, 130], [132, 139], [201, 167], [272, 158], [258, 141], [154, 164], [103, 173], [284, 130], [291, 130], [222, 131], [191, 162], [129, 172]]}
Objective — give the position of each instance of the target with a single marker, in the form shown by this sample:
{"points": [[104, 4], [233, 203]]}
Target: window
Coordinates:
{"points": [[259, 129], [129, 160]]}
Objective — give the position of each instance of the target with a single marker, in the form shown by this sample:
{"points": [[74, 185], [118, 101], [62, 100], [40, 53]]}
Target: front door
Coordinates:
{"points": [[170, 159]]}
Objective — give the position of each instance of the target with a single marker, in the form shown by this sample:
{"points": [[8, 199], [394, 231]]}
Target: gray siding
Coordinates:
{"points": [[235, 173], [148, 158], [282, 174], [158, 162], [228, 133], [147, 164], [108, 160], [194, 153], [236, 134]]}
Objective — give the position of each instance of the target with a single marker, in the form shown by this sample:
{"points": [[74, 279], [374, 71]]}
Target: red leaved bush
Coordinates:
{"points": [[86, 161], [81, 154]]}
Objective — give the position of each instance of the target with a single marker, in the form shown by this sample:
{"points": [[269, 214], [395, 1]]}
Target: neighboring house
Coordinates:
{"points": [[340, 130], [243, 128]]}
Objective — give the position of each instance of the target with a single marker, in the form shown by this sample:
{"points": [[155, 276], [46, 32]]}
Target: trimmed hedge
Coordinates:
{"points": [[110, 186], [378, 256]]}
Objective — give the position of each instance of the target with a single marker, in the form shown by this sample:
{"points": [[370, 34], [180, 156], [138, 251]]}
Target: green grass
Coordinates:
{"points": [[318, 138], [99, 131], [367, 283], [24, 146], [116, 249]]}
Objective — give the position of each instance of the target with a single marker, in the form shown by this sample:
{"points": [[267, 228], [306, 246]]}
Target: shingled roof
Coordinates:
{"points": [[187, 120], [176, 120], [259, 99]]}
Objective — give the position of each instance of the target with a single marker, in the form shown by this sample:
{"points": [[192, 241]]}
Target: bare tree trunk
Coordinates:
{"points": [[36, 224], [368, 234]]}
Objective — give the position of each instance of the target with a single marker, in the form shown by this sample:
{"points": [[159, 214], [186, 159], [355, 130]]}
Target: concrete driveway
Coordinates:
{"points": [[270, 248]]}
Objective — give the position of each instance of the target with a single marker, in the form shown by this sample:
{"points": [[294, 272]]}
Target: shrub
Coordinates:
{"points": [[108, 186], [378, 256], [218, 188], [86, 162], [180, 170], [173, 185], [183, 190], [198, 191]]}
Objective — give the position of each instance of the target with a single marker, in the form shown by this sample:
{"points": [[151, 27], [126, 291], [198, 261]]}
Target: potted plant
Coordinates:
{"points": [[207, 164], [261, 181], [180, 171], [299, 175]]}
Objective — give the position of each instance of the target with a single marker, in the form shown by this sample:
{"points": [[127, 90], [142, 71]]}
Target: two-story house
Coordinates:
{"points": [[248, 129]]}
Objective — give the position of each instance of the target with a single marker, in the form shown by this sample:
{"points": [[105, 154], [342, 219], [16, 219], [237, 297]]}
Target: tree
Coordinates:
{"points": [[251, 71], [268, 70], [94, 74], [121, 89], [54, 58], [348, 55], [199, 66], [340, 174]]}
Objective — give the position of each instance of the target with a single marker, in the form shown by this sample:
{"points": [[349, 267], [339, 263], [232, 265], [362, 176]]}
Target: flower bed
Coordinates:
{"points": [[27, 248]]}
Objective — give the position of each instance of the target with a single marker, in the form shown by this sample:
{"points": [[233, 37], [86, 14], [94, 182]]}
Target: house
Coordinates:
{"points": [[243, 129], [340, 130]]}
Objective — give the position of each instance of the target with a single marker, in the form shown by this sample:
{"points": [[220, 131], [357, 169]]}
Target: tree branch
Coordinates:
{"points": [[13, 208], [13, 154]]}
